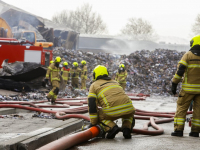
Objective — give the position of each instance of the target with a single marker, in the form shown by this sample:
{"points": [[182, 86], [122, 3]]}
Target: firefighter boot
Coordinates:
{"points": [[194, 134], [177, 133], [53, 102], [111, 134], [127, 133], [49, 99]]}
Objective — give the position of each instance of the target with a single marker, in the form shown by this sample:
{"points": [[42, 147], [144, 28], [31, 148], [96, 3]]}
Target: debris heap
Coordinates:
{"points": [[149, 72]]}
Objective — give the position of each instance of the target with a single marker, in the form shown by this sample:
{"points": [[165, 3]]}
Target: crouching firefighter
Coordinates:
{"points": [[115, 104], [54, 72], [189, 69]]}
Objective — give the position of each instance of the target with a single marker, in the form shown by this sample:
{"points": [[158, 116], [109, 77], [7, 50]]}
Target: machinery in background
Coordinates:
{"points": [[23, 46]]}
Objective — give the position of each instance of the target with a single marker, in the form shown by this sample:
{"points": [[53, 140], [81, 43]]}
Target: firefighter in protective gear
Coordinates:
{"points": [[65, 71], [188, 68], [51, 61], [83, 74], [75, 73], [121, 76], [54, 72], [115, 104]]}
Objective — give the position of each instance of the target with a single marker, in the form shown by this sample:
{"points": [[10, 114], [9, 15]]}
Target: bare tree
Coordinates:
{"points": [[82, 20], [196, 25], [139, 29]]}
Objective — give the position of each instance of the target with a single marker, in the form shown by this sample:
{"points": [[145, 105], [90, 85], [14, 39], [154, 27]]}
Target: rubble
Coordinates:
{"points": [[149, 72], [12, 116], [45, 116]]}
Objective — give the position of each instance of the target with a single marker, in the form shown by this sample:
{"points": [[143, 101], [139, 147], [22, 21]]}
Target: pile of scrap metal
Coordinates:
{"points": [[149, 72], [21, 76]]}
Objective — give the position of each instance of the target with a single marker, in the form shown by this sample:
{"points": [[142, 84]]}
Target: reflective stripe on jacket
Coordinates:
{"points": [[121, 77], [65, 74], [53, 71], [111, 97], [75, 72], [84, 72], [191, 77]]}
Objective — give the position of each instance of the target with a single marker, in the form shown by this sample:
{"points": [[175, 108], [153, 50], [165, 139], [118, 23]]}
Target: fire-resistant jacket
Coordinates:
{"points": [[109, 95], [121, 77], [75, 72], [84, 72], [53, 71], [189, 69], [65, 74]]}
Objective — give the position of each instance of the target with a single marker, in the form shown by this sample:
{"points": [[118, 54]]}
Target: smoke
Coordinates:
{"points": [[121, 45]]}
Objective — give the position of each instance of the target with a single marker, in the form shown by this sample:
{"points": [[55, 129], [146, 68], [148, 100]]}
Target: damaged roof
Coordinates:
{"points": [[6, 9]]}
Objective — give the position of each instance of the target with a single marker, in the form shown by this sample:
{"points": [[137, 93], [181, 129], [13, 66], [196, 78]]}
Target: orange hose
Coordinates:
{"points": [[71, 140]]}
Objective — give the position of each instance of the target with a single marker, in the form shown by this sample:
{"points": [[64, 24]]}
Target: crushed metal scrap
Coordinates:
{"points": [[149, 72]]}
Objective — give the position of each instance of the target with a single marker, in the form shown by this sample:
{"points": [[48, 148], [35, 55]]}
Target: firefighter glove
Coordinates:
{"points": [[74, 75], [174, 86], [46, 80]]}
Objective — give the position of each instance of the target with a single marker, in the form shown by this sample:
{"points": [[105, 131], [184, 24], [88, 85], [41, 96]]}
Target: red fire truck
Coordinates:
{"points": [[16, 50]]}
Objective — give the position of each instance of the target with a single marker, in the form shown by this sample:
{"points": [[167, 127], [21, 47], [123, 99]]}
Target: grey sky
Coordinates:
{"points": [[168, 17]]}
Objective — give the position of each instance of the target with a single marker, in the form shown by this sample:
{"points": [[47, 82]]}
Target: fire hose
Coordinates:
{"points": [[94, 131], [71, 140]]}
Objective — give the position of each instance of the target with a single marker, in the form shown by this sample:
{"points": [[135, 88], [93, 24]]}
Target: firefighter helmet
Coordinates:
{"points": [[195, 41], [100, 71], [121, 66], [51, 62], [65, 64], [75, 64], [83, 62], [58, 59]]}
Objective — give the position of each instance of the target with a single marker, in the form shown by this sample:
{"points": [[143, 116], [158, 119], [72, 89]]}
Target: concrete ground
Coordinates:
{"points": [[25, 132], [29, 133]]}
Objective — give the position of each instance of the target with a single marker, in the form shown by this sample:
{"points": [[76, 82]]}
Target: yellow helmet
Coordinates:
{"points": [[122, 65], [83, 62], [51, 62], [195, 41], [100, 71], [65, 64], [75, 64], [57, 59]]}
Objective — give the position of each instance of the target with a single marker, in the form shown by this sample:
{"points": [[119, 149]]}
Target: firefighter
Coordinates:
{"points": [[49, 72], [115, 104], [121, 76], [83, 74], [65, 71], [51, 61], [54, 72], [75, 72], [188, 68]]}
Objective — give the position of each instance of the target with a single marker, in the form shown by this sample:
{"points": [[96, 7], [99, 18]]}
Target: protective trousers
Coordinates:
{"points": [[65, 82], [54, 92], [75, 83], [106, 122], [83, 83], [183, 104], [123, 85]]}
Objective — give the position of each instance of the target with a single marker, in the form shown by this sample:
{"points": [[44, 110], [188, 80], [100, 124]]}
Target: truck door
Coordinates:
{"points": [[47, 58], [32, 56]]}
